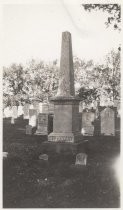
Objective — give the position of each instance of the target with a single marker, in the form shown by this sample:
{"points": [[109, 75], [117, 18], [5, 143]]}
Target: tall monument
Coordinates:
{"points": [[66, 121]]}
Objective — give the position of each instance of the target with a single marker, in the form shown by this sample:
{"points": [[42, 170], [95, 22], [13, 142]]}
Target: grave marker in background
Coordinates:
{"points": [[87, 120], [14, 112], [81, 159], [20, 110], [107, 122], [44, 124], [33, 117], [26, 111]]}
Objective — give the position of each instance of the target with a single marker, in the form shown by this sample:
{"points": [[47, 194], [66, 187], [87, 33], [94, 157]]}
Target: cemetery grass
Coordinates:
{"points": [[31, 183]]}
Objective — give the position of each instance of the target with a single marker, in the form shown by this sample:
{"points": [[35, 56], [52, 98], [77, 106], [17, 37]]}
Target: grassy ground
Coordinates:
{"points": [[31, 183]]}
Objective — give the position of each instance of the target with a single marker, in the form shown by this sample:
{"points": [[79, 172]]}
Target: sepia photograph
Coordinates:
{"points": [[61, 104]]}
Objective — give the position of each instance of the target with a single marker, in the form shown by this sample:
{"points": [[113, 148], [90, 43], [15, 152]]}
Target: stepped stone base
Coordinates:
{"points": [[63, 147]]}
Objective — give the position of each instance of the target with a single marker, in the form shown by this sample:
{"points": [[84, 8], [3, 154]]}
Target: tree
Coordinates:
{"points": [[97, 81], [36, 80], [114, 11], [13, 83], [39, 80]]}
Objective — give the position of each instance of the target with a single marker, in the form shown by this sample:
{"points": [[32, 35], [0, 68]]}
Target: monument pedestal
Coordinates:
{"points": [[67, 120], [66, 135]]}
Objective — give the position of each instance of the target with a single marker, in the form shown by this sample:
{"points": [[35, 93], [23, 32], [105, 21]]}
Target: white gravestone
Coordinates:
{"points": [[32, 117], [80, 107], [107, 122], [40, 107], [26, 111], [20, 110], [14, 112], [81, 159], [87, 126], [7, 112]]}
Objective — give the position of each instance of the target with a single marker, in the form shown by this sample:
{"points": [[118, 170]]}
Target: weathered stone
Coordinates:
{"points": [[43, 157], [26, 111], [5, 155], [12, 121], [8, 112], [107, 121], [14, 112], [20, 110], [29, 130], [87, 123], [81, 159], [45, 108], [44, 124], [33, 117]]}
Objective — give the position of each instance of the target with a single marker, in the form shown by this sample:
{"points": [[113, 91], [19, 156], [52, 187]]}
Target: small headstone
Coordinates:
{"points": [[20, 110], [12, 121], [5, 155], [14, 112], [43, 157], [7, 112], [36, 106], [33, 117], [45, 108], [107, 122], [40, 107], [42, 125], [26, 111], [81, 159], [80, 107], [87, 120], [28, 129]]}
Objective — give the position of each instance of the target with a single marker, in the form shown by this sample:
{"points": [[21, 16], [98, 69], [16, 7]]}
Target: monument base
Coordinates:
{"points": [[63, 147]]}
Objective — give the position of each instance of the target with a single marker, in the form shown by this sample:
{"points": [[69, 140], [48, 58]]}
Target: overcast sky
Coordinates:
{"points": [[34, 31]]}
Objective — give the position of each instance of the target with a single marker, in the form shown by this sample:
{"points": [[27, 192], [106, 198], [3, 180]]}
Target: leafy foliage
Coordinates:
{"points": [[39, 80], [114, 11]]}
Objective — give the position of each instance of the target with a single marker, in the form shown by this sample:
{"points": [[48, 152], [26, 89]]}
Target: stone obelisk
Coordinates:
{"points": [[66, 121]]}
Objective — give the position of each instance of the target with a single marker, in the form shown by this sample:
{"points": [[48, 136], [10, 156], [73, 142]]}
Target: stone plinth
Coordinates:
{"points": [[66, 124]]}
